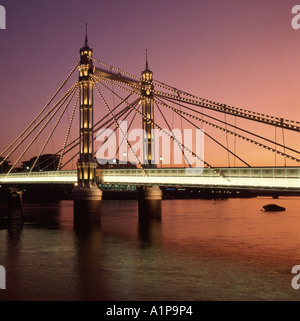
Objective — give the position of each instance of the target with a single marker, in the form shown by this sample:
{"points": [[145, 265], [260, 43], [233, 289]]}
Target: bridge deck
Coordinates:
{"points": [[251, 178], [235, 177], [62, 177]]}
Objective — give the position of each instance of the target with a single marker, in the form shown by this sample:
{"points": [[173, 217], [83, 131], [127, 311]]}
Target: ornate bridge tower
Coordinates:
{"points": [[149, 196], [86, 189], [148, 111]]}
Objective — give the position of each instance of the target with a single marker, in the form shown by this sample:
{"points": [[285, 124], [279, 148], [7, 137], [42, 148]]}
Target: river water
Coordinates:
{"points": [[199, 250]]}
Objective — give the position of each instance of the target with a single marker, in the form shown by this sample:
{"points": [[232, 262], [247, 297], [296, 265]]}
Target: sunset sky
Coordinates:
{"points": [[242, 53]]}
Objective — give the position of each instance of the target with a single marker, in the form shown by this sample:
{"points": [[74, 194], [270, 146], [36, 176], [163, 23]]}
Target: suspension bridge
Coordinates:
{"points": [[104, 96]]}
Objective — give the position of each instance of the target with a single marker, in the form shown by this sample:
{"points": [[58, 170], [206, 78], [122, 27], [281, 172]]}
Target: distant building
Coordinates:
{"points": [[46, 162], [115, 164], [5, 167]]}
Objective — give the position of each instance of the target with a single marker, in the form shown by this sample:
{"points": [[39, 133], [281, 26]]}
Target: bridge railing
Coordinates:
{"points": [[235, 177], [276, 178], [60, 177], [255, 172]]}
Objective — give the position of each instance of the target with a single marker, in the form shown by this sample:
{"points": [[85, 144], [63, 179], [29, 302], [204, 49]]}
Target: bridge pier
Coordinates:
{"points": [[149, 203], [15, 210], [88, 197], [87, 207]]}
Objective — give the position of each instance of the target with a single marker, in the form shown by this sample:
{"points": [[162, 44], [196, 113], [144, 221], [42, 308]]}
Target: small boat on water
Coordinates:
{"points": [[273, 208]]}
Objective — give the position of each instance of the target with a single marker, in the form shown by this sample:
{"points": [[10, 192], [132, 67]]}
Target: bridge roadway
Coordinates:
{"points": [[254, 178]]}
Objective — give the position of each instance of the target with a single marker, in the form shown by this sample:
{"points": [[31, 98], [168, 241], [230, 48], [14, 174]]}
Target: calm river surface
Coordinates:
{"points": [[200, 250]]}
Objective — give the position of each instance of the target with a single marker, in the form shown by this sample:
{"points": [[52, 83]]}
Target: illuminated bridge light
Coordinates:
{"points": [[177, 177]]}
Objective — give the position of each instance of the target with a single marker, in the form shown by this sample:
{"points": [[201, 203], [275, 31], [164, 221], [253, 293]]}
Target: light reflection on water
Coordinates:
{"points": [[200, 250]]}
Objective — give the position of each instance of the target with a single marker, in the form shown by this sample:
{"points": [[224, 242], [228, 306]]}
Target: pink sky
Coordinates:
{"points": [[242, 53]]}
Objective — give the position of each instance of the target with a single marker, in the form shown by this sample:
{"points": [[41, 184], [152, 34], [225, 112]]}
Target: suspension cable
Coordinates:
{"points": [[172, 133], [59, 104], [148, 119], [167, 87], [221, 108], [206, 122], [53, 130], [240, 112], [132, 120], [116, 123], [68, 132], [234, 126], [168, 134], [23, 153], [283, 140], [118, 115], [231, 132], [234, 148], [111, 122], [226, 109], [227, 142], [43, 109], [228, 150], [114, 68]]}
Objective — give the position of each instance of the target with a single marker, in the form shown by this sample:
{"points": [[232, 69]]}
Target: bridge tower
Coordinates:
{"points": [[86, 191], [147, 102], [149, 196]]}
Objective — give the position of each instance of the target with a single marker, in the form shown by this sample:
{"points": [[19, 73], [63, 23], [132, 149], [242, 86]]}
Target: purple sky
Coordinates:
{"points": [[243, 53]]}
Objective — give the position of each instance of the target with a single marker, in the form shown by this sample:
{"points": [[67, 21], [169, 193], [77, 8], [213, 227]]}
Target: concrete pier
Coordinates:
{"points": [[149, 206], [15, 210]]}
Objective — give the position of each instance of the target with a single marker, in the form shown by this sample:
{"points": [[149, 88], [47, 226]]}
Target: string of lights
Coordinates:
{"points": [[180, 92], [57, 106], [41, 112], [117, 125], [74, 88], [114, 68], [117, 84], [53, 130], [279, 122], [170, 129], [235, 127], [128, 111], [226, 109], [168, 134], [233, 133], [164, 96], [211, 124], [130, 124], [108, 123], [273, 120], [68, 133], [230, 132], [212, 138]]}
